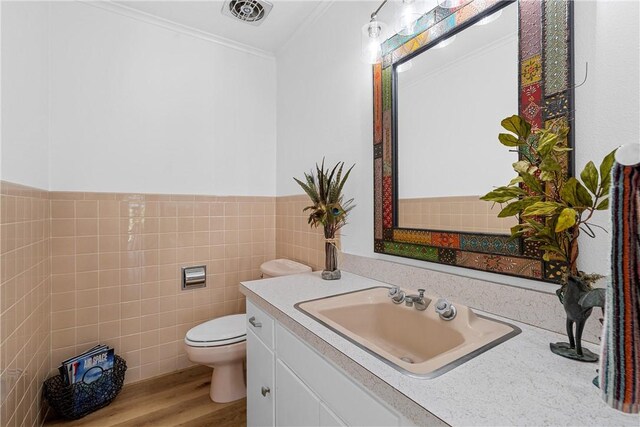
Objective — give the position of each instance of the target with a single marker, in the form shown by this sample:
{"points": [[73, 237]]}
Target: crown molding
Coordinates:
{"points": [[316, 14], [148, 18]]}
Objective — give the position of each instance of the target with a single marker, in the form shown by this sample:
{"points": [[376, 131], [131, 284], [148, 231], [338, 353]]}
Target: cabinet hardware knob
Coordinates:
{"points": [[265, 391], [254, 323]]}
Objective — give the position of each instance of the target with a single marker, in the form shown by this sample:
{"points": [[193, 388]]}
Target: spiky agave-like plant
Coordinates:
{"points": [[324, 188]]}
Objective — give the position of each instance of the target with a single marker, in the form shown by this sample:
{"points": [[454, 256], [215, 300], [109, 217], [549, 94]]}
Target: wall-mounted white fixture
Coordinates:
{"points": [[250, 11], [445, 42], [452, 4]]}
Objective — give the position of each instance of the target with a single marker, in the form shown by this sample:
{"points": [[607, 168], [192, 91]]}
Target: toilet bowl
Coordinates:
{"points": [[221, 344]]}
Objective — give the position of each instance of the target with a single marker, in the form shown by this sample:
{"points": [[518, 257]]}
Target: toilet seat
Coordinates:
{"points": [[218, 332]]}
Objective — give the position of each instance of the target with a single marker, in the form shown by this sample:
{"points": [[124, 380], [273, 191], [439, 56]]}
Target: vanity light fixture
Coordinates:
{"points": [[372, 36], [407, 14], [452, 4]]}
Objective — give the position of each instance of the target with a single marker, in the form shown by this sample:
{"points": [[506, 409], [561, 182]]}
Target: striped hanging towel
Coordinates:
{"points": [[620, 359]]}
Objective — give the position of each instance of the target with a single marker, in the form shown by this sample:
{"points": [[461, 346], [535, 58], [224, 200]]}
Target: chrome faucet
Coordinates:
{"points": [[416, 301]]}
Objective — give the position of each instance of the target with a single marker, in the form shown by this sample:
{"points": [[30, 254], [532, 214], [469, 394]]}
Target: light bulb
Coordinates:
{"points": [[372, 37], [407, 14]]}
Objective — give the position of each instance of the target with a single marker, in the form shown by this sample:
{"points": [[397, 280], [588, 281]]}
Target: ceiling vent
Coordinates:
{"points": [[250, 11]]}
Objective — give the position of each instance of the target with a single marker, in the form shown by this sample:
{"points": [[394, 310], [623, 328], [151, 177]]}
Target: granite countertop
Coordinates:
{"points": [[519, 382]]}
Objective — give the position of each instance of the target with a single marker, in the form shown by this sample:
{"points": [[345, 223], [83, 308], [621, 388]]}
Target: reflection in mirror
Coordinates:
{"points": [[450, 101]]}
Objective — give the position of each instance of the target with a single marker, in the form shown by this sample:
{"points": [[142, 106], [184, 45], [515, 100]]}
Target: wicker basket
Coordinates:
{"points": [[77, 400]]}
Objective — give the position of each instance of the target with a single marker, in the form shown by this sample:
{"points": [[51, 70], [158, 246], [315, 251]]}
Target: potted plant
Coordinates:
{"points": [[328, 209], [554, 210]]}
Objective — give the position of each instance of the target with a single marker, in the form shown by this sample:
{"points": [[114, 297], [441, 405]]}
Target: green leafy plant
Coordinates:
{"points": [[324, 188], [551, 208]]}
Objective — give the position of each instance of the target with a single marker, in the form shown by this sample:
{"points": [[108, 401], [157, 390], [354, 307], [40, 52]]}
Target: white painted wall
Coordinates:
{"points": [[608, 105], [325, 108], [141, 108], [25, 93]]}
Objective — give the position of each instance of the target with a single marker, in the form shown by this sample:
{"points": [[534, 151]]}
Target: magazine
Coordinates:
{"points": [[67, 365], [88, 366]]}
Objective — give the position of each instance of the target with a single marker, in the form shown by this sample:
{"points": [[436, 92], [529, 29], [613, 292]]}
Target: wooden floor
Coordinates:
{"points": [[178, 399]]}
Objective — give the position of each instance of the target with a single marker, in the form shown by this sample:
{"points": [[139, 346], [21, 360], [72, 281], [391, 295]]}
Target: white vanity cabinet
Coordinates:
{"points": [[304, 388]]}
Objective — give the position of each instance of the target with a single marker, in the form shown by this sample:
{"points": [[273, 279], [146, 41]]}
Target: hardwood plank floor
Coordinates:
{"points": [[177, 399]]}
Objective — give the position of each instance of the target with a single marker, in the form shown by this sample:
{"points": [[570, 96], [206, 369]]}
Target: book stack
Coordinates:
{"points": [[88, 366]]}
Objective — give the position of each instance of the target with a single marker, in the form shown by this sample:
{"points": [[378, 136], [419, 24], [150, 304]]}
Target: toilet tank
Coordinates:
{"points": [[282, 267]]}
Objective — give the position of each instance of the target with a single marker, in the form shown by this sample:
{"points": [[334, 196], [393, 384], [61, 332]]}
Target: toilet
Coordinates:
{"points": [[222, 343]]}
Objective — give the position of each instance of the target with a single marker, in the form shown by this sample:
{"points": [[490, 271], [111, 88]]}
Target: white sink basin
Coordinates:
{"points": [[417, 342]]}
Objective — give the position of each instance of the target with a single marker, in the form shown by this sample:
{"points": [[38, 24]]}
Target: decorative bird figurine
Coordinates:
{"points": [[578, 299]]}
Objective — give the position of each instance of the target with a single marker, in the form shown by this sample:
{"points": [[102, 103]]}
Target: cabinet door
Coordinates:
{"points": [[296, 405], [328, 418], [260, 384], [339, 392]]}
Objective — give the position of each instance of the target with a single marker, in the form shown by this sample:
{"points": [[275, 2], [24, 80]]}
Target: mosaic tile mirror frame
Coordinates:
{"points": [[545, 93]]}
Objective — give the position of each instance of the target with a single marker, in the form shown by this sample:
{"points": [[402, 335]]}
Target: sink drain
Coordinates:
{"points": [[407, 359]]}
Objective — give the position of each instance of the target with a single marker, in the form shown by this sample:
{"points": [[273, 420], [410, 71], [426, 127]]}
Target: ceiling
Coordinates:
{"points": [[276, 29]]}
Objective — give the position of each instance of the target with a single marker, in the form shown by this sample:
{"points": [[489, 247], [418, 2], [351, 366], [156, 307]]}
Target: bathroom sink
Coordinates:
{"points": [[419, 343]]}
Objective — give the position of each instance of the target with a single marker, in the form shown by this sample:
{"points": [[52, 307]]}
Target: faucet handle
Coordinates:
{"points": [[396, 295], [442, 305], [421, 292], [445, 309]]}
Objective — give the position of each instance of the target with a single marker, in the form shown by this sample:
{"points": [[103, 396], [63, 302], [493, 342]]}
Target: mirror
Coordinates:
{"points": [[450, 101], [442, 146]]}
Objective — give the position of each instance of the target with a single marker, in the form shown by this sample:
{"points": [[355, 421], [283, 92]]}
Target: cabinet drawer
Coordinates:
{"points": [[260, 323], [351, 403], [260, 383]]}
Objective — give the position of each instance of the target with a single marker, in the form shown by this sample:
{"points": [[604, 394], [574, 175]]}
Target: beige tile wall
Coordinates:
{"points": [[116, 262], [295, 239], [460, 213], [25, 316], [82, 268]]}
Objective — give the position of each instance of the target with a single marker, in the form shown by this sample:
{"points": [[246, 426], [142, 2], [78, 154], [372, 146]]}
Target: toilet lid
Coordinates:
{"points": [[221, 331]]}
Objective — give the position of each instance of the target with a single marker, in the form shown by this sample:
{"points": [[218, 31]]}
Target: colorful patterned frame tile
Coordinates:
{"points": [[545, 92]]}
